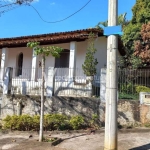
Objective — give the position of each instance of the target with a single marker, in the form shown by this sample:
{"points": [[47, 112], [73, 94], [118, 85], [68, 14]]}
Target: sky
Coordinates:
{"points": [[24, 20]]}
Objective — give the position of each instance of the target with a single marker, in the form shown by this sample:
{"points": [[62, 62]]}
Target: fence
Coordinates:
{"points": [[59, 81], [25, 83], [129, 79], [73, 82]]}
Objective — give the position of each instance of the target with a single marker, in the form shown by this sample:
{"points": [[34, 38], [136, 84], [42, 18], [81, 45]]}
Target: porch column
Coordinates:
{"points": [[72, 60], [4, 59], [34, 70]]}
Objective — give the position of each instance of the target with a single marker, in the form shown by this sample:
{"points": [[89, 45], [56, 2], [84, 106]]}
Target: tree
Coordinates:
{"points": [[89, 66], [121, 21], [43, 51], [7, 5], [142, 49], [141, 15]]}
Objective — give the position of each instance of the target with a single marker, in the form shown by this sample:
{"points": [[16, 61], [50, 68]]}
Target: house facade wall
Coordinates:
{"points": [[100, 45], [13, 54], [31, 70], [81, 48]]}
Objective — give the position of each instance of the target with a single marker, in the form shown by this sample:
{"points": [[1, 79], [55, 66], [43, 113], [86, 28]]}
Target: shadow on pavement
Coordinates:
{"points": [[144, 147], [73, 137]]}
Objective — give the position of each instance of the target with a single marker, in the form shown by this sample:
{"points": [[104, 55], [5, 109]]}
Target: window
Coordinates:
{"points": [[62, 63], [63, 60]]}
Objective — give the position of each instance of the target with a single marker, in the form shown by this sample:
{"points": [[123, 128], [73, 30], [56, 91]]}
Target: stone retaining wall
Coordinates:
{"points": [[129, 112]]}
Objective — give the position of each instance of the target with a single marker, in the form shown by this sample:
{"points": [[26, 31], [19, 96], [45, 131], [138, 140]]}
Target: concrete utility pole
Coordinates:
{"points": [[111, 83]]}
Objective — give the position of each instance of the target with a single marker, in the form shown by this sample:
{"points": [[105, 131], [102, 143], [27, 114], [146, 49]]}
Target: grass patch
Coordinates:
{"points": [[52, 139], [128, 96]]}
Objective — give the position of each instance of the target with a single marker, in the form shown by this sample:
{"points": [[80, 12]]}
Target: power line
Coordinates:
{"points": [[61, 19], [20, 2]]}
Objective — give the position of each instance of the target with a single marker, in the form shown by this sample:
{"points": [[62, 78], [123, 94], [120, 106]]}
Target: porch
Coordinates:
{"points": [[58, 82]]}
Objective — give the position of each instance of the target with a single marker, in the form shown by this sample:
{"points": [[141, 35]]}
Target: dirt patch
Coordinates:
{"points": [[24, 141], [7, 143]]}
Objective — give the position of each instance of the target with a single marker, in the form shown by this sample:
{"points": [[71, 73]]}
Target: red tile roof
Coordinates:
{"points": [[51, 38], [54, 38]]}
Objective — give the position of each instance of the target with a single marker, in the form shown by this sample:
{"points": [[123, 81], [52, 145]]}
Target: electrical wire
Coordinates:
{"points": [[61, 19], [28, 4]]}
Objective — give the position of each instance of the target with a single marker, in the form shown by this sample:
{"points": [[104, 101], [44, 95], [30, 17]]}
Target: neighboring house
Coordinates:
{"points": [[27, 67]]}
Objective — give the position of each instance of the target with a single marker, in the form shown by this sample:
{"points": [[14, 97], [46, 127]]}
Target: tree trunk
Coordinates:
{"points": [[42, 100]]}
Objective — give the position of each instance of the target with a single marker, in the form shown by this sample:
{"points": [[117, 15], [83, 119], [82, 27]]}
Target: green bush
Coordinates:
{"points": [[76, 122], [127, 88], [12, 122], [48, 122], [36, 123], [25, 123], [94, 121], [142, 89], [60, 121], [51, 122], [133, 96], [7, 123], [55, 122]]}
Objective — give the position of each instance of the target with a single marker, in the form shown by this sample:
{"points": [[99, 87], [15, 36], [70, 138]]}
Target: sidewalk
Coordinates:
{"points": [[127, 140]]}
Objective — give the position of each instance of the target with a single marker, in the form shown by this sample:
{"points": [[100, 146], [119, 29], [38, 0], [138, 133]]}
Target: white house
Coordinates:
{"points": [[26, 66]]}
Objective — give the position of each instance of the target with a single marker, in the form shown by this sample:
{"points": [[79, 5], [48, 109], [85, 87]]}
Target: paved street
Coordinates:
{"points": [[138, 140]]}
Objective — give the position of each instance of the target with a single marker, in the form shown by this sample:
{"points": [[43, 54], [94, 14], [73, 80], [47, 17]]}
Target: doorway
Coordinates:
{"points": [[20, 64]]}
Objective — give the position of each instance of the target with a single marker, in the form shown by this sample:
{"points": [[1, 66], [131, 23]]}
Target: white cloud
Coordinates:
{"points": [[53, 3]]}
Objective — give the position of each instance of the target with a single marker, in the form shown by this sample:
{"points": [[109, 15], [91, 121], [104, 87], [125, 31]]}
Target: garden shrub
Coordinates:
{"points": [[60, 121], [94, 121], [25, 123], [51, 122], [36, 123], [127, 88], [55, 122], [7, 123], [12, 122], [142, 89], [48, 122], [76, 122], [133, 96]]}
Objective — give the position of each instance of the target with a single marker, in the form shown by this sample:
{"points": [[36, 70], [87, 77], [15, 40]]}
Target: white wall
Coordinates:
{"points": [[0, 56], [27, 56], [100, 45], [13, 54], [101, 54], [50, 60]]}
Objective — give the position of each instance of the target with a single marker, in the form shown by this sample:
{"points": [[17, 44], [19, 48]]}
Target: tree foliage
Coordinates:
{"points": [[89, 66], [142, 49], [121, 21], [132, 32], [45, 50], [141, 12]]}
